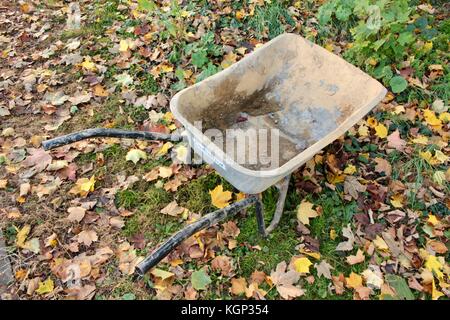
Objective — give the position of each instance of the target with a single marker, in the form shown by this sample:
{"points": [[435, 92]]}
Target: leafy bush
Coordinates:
{"points": [[385, 34]]}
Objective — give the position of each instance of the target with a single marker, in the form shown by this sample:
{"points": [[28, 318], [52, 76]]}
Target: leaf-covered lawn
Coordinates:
{"points": [[366, 218]]}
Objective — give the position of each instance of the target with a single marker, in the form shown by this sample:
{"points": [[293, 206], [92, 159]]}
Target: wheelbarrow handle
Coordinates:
{"points": [[103, 132], [203, 223]]}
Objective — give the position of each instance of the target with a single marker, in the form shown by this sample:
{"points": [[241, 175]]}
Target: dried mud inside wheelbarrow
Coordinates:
{"points": [[306, 94], [255, 112]]}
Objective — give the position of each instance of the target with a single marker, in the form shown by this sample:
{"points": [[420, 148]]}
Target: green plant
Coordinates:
{"points": [[386, 35], [270, 20]]}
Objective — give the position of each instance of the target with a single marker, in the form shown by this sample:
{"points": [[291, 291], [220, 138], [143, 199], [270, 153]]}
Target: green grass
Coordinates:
{"points": [[270, 20]]}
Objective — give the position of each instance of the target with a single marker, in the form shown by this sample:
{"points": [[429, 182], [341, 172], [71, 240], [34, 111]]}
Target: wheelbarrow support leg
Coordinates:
{"points": [[203, 223], [282, 187]]}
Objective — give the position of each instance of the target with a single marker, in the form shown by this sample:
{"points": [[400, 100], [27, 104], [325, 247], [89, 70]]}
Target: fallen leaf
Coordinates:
{"points": [[302, 265], [394, 141], [220, 198], [238, 286], [165, 172], [373, 279], [380, 244], [323, 269], [161, 273], [22, 235], [173, 209], [86, 237], [39, 159], [346, 245], [117, 222], [383, 166], [400, 286], [99, 91], [353, 187], [353, 281], [284, 281], [83, 186], [135, 155], [200, 280], [435, 294], [358, 258], [431, 119], [45, 287], [76, 213], [164, 149], [224, 264], [305, 212], [381, 131]]}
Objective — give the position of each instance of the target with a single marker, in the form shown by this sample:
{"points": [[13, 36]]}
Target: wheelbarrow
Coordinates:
{"points": [[304, 94]]}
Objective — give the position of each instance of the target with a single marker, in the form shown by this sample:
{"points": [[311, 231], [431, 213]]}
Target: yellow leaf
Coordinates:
{"points": [[168, 116], [135, 155], [435, 293], [240, 196], [161, 273], [315, 255], [99, 91], [372, 62], [126, 44], [123, 45], [166, 68], [333, 234], [439, 177], [335, 178], [302, 265], [329, 47], [240, 14], [372, 122], [363, 131], [354, 281], [430, 118], [433, 220], [181, 153], [88, 64], [428, 46], [164, 149], [397, 200], [381, 131], [83, 186], [305, 212], [420, 140], [88, 186], [426, 156], [350, 169], [220, 198], [380, 244], [22, 235], [444, 116], [440, 157], [229, 59], [45, 287], [432, 264]]}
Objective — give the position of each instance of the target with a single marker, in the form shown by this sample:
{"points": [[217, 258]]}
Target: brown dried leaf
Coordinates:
{"points": [[76, 213]]}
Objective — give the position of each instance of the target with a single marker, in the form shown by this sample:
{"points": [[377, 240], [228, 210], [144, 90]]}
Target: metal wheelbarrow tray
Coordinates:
{"points": [[288, 85]]}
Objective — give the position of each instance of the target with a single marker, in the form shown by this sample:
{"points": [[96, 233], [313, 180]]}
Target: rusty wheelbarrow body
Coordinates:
{"points": [[285, 102]]}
